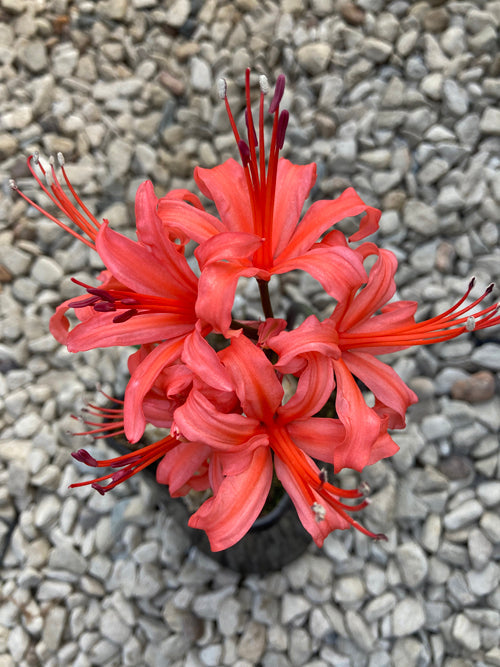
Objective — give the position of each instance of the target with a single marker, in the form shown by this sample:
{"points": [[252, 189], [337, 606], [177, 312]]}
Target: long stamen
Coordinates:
{"points": [[87, 223], [447, 325], [129, 464]]}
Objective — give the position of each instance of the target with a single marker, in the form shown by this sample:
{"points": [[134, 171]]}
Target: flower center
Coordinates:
{"points": [[261, 183]]}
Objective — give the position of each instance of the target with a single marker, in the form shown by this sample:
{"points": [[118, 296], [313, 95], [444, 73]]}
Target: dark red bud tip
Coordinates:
{"points": [[102, 293], [120, 475], [100, 489], [282, 125], [104, 307], [489, 289], [278, 93], [244, 152], [472, 282], [84, 302], [84, 457], [380, 537], [123, 317]]}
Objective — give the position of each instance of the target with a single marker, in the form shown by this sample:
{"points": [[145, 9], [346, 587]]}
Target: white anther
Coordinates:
{"points": [[36, 157], [222, 88], [52, 161], [60, 159], [470, 325], [12, 184], [319, 512], [264, 84]]}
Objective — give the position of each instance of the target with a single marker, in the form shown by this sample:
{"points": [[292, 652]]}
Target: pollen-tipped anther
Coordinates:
{"points": [[244, 152], [470, 325], [222, 88], [60, 159], [282, 125], [84, 457], [278, 93], [263, 84], [12, 184]]}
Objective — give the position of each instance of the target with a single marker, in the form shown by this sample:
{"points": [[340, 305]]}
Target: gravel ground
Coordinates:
{"points": [[400, 100]]}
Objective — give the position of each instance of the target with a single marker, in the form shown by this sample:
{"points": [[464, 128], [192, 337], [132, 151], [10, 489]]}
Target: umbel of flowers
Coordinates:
{"points": [[228, 426]]}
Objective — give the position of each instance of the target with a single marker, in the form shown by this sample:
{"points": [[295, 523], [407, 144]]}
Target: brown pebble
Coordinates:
{"points": [[352, 14], [456, 467], [478, 387], [445, 257], [436, 20]]}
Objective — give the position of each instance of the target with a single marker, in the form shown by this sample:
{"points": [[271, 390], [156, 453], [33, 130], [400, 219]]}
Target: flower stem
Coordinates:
{"points": [[264, 298]]}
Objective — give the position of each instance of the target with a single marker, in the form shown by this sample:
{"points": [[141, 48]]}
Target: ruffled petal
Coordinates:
{"points": [[202, 359], [188, 221], [315, 385], [303, 504], [228, 516], [361, 423], [141, 382], [254, 378], [323, 214], [227, 245], [376, 293], [226, 186], [101, 331], [180, 464], [143, 270], [318, 437], [199, 420], [383, 381], [339, 270], [312, 336], [293, 185], [216, 290]]}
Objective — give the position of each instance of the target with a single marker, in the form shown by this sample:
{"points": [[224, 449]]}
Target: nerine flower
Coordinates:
{"points": [[362, 327], [231, 423], [259, 232], [245, 443]]}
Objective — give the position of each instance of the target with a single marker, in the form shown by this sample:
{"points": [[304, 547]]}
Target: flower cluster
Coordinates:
{"points": [[238, 413]]}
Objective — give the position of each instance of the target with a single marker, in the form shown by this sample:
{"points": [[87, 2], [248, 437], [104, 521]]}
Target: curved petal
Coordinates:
{"points": [[141, 382], [141, 269], [376, 293], [361, 423], [325, 213], [312, 336], [101, 331], [315, 385], [254, 378], [184, 219], [293, 185], [202, 359], [339, 270], [226, 186], [227, 245], [382, 448], [238, 502], [383, 381], [216, 289], [180, 464], [199, 420], [303, 502], [318, 437]]}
